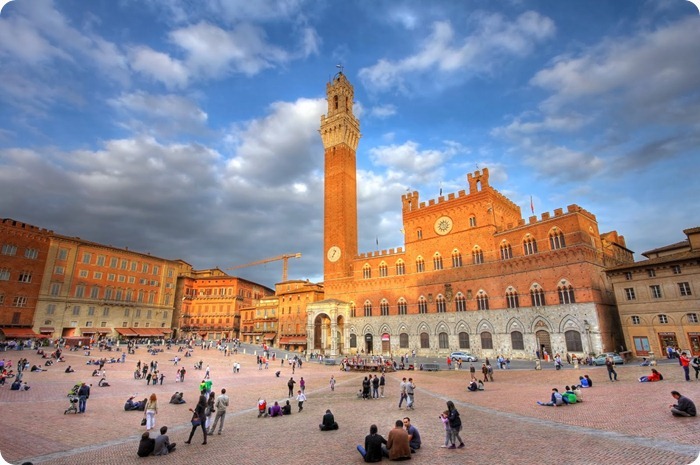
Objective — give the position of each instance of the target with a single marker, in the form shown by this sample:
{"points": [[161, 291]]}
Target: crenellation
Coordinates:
{"points": [[558, 212]]}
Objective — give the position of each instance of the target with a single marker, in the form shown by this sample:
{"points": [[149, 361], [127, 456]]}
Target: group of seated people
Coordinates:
{"points": [[571, 395], [475, 385], [132, 404], [94, 361], [161, 445], [276, 410], [177, 398], [18, 385]]}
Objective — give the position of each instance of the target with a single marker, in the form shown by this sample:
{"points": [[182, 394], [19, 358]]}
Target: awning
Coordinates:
{"points": [[126, 332], [269, 336], [19, 333], [165, 330], [293, 340], [103, 330], [149, 332], [87, 330], [46, 329]]}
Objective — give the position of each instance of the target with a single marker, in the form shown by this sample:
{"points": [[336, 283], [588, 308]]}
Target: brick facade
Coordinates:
{"points": [[473, 275]]}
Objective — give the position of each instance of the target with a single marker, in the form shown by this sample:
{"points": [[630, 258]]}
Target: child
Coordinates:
{"points": [[262, 408], [301, 397], [448, 430]]}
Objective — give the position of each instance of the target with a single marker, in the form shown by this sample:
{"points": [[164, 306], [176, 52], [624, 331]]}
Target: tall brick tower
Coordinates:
{"points": [[340, 132]]}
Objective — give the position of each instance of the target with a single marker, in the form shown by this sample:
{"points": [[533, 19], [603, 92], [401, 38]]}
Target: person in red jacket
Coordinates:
{"points": [[685, 363]]}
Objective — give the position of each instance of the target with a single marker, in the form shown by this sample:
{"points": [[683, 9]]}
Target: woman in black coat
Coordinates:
{"points": [[199, 418], [455, 424]]}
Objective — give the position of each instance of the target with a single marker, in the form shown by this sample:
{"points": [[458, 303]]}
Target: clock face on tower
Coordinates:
{"points": [[443, 225], [333, 254]]}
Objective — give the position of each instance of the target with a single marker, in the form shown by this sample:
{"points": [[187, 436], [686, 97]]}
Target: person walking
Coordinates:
{"points": [[151, 410], [290, 386], [684, 360], [332, 383], [302, 384], [610, 365], [455, 425], [301, 397], [83, 396], [695, 363], [410, 391], [402, 392], [198, 418], [382, 382], [221, 404]]}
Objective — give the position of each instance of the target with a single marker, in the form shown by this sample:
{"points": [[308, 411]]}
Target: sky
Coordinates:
{"points": [[189, 129]]}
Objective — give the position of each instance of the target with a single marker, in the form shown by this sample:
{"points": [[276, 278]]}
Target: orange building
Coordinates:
{"points": [[294, 296], [212, 301], [473, 274], [23, 252], [103, 292]]}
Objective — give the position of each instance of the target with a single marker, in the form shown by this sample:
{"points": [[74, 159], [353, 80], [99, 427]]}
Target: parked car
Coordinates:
{"points": [[600, 359], [463, 356]]}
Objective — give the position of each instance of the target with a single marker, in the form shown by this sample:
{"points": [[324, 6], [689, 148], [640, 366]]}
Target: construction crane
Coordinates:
{"points": [[284, 259]]}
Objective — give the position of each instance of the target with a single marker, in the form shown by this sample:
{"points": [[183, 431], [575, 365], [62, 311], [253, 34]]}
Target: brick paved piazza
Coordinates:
{"points": [[623, 423]]}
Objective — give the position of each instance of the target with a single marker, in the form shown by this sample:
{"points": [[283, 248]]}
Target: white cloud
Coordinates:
{"points": [[409, 164], [444, 53], [159, 66], [383, 111]]}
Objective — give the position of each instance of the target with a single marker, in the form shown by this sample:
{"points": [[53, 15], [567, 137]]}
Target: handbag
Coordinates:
{"points": [[195, 420], [143, 421]]}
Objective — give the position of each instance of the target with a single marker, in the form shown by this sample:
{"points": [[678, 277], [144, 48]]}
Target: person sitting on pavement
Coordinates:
{"points": [[577, 391], [479, 385], [413, 435], [683, 407], [146, 445], [328, 423], [473, 387], [397, 445], [654, 376], [163, 446], [69, 369], [373, 450], [275, 410], [177, 398], [287, 408], [555, 401], [103, 383], [569, 396]]}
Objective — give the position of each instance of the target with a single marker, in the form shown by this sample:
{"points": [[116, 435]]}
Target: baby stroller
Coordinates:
{"points": [[73, 407]]}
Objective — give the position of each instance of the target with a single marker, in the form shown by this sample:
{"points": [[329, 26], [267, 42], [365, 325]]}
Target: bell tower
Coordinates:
{"points": [[340, 133]]}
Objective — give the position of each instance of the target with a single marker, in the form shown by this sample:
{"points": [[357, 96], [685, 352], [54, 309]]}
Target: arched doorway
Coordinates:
{"points": [[544, 344], [386, 343], [369, 343], [322, 333]]}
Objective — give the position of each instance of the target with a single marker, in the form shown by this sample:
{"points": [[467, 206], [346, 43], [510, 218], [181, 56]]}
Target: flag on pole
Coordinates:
{"points": [[532, 206]]}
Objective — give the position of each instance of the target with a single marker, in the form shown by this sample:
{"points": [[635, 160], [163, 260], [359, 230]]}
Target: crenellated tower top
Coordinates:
{"points": [[339, 125]]}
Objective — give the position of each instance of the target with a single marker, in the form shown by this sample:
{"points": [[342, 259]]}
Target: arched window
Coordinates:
{"points": [[566, 294], [506, 251], [472, 221], [460, 303], [353, 312], [400, 268], [422, 305], [402, 306], [384, 308], [512, 300], [486, 340], [573, 341], [368, 308], [477, 256], [420, 265], [367, 271], [537, 296], [424, 341], [437, 261], [456, 259], [353, 340], [383, 270], [529, 245], [443, 341], [403, 341], [482, 301], [440, 304], [516, 340], [463, 340], [556, 239]]}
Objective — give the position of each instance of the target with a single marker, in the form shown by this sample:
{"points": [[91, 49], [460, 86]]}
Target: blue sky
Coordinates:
{"points": [[189, 129]]}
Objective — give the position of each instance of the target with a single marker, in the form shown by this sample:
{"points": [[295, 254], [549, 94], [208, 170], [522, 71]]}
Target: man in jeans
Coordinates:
{"points": [[402, 391], [410, 387], [220, 407]]}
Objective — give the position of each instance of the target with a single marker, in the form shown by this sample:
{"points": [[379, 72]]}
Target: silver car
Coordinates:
{"points": [[463, 356], [600, 359]]}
